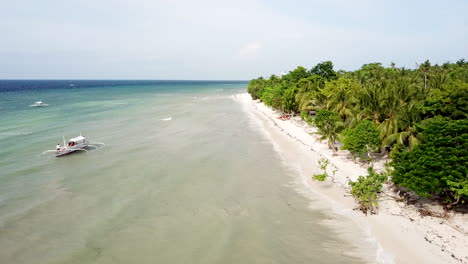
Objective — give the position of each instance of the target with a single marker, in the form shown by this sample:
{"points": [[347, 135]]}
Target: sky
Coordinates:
{"points": [[222, 40]]}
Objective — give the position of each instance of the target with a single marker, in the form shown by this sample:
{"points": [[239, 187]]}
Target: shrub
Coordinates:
{"points": [[362, 138], [305, 116], [323, 163], [366, 189]]}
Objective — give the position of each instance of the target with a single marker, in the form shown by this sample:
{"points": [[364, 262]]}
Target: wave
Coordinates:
{"points": [[4, 135], [166, 119], [14, 133], [196, 98]]}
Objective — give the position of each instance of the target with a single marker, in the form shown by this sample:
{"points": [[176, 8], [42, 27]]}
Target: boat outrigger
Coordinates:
{"points": [[79, 143]]}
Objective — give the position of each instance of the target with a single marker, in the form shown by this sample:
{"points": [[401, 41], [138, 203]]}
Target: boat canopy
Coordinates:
{"points": [[78, 139]]}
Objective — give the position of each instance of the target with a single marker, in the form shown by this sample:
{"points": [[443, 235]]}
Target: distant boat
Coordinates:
{"points": [[39, 104]]}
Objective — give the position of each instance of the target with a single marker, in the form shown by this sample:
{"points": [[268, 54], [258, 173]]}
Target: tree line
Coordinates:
{"points": [[419, 116]]}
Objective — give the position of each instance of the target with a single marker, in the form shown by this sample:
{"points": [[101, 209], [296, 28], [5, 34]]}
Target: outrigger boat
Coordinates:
{"points": [[39, 104], [79, 143]]}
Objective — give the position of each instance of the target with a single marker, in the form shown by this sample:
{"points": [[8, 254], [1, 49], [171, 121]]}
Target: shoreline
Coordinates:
{"points": [[399, 232]]}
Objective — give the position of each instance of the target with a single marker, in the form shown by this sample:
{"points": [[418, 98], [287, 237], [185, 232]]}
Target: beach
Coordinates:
{"points": [[401, 233]]}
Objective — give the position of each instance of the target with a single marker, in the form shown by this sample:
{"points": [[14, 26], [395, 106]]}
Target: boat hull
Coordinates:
{"points": [[66, 152], [71, 150]]}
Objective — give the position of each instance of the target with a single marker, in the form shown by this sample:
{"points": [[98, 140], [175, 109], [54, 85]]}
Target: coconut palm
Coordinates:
{"points": [[309, 95], [407, 132], [371, 101], [340, 97], [330, 132]]}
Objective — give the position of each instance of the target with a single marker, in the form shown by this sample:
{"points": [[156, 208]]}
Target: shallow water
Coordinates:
{"points": [[185, 177]]}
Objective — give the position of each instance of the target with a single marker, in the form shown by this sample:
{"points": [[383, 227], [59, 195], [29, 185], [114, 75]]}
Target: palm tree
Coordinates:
{"points": [[424, 68], [404, 138], [308, 95], [340, 99], [398, 92], [330, 132], [406, 135], [371, 101], [438, 77]]}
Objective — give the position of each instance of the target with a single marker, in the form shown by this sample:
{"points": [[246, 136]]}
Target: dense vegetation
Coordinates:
{"points": [[439, 165], [419, 115]]}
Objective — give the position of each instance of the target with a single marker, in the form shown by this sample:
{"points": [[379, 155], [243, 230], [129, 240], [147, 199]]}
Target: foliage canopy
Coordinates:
{"points": [[439, 165], [390, 108], [362, 138]]}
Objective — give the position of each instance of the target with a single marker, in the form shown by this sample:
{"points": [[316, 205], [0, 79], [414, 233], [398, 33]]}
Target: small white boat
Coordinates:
{"points": [[39, 104], [79, 143]]}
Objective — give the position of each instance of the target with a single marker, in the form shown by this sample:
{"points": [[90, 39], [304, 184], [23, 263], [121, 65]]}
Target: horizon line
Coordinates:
{"points": [[188, 80]]}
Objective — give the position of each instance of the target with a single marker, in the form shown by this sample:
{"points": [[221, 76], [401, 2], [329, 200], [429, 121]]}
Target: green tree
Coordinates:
{"points": [[450, 101], [329, 125], [324, 70], [256, 88], [309, 96], [289, 100], [406, 135], [340, 96], [273, 95], [297, 74], [437, 166], [424, 68], [371, 101], [361, 139]]}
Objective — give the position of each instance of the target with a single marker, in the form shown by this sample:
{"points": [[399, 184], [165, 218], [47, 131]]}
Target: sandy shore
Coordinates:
{"points": [[400, 233]]}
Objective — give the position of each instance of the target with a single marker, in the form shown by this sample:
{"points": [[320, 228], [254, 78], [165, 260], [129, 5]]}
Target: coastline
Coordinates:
{"points": [[400, 233]]}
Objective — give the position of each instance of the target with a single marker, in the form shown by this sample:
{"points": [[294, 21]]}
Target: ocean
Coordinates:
{"points": [[185, 176]]}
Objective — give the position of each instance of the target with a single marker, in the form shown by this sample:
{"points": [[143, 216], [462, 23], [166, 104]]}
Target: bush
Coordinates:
{"points": [[323, 163], [305, 116], [289, 100], [326, 118], [366, 189], [361, 139], [437, 166]]}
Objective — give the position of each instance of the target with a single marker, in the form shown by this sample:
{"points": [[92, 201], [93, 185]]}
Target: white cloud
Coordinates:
{"points": [[250, 50]]}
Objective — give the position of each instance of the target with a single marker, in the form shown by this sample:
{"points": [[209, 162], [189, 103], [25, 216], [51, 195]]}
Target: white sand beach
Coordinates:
{"points": [[402, 235]]}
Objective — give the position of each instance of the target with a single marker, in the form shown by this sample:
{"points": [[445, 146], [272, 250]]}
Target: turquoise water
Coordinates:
{"points": [[202, 187]]}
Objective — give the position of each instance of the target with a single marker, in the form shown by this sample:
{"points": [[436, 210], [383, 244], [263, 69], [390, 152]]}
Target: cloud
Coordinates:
{"points": [[250, 50]]}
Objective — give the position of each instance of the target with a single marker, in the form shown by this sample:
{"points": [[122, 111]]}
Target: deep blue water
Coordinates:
{"points": [[17, 95], [19, 85]]}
